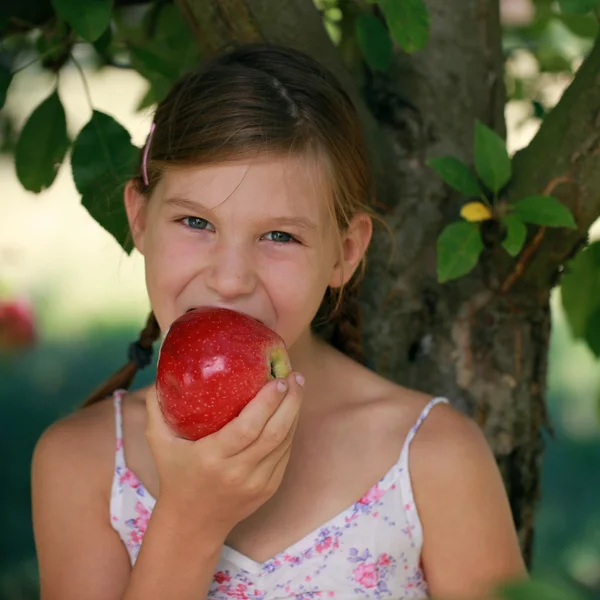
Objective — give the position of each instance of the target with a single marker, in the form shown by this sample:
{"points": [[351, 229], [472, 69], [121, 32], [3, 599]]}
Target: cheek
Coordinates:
{"points": [[170, 260], [296, 287]]}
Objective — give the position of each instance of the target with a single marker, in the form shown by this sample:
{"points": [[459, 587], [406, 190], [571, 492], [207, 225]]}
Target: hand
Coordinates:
{"points": [[224, 477]]}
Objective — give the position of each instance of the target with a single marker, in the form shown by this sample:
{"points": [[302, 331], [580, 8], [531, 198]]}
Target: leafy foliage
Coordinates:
{"points": [[544, 210], [553, 39], [408, 21], [103, 160], [459, 246], [374, 42], [580, 293], [88, 18], [5, 79], [157, 44], [491, 158], [42, 145], [457, 175], [537, 590], [516, 234], [493, 168]]}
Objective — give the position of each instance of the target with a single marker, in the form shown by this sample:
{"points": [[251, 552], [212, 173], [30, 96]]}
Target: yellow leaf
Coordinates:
{"points": [[475, 211]]}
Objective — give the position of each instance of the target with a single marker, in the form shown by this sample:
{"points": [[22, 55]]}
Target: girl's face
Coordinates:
{"points": [[252, 236]]}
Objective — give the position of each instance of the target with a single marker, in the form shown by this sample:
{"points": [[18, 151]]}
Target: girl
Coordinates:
{"points": [[253, 194]]}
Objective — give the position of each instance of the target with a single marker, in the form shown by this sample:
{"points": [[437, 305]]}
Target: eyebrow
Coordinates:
{"points": [[302, 222], [185, 203]]}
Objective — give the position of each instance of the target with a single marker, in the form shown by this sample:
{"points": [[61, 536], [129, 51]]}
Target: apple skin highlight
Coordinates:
{"points": [[212, 362]]}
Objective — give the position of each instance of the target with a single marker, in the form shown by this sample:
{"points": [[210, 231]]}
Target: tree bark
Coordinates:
{"points": [[483, 340]]}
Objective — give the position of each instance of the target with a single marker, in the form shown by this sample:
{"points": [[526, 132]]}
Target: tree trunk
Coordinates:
{"points": [[485, 351], [481, 341]]}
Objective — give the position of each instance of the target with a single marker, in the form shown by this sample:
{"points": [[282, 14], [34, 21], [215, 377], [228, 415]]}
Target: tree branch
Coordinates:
{"points": [[564, 156]]}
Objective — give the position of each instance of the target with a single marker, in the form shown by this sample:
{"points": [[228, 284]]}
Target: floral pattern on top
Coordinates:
{"points": [[371, 550]]}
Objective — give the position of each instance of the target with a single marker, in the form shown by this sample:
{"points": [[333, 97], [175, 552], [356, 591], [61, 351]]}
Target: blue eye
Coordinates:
{"points": [[280, 237], [196, 223]]}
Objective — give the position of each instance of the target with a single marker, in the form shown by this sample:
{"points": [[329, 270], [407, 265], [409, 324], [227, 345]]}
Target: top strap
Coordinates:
{"points": [[415, 530], [120, 453]]}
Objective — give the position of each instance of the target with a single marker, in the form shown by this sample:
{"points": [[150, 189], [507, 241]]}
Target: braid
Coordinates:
{"points": [[346, 334], [140, 356]]}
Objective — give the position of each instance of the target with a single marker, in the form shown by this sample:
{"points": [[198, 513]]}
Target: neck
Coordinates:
{"points": [[310, 356], [303, 354]]}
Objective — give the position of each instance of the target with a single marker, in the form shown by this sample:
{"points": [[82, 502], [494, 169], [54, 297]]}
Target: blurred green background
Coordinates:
{"points": [[90, 302]]}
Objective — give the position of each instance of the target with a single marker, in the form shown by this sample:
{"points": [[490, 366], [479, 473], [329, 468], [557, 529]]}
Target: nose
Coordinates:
{"points": [[231, 272]]}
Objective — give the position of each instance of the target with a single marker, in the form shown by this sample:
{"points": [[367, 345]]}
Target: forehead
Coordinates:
{"points": [[268, 186]]}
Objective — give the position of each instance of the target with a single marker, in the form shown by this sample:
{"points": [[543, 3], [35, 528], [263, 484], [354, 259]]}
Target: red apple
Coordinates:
{"points": [[17, 324], [212, 362]]}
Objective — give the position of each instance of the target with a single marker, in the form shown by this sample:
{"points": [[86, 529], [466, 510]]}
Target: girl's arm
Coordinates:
{"points": [[79, 554], [470, 543], [206, 487]]}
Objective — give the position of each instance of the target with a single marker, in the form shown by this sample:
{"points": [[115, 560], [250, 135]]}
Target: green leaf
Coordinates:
{"points": [[491, 158], [157, 90], [172, 42], [374, 42], [5, 79], [408, 21], [580, 289], [103, 160], [539, 110], [149, 64], [458, 249], [164, 57], [592, 332], [457, 175], [42, 145], [585, 26], [577, 7], [102, 44], [88, 18], [516, 234], [545, 211], [536, 590]]}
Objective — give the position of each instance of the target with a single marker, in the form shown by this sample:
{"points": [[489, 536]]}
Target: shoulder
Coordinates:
{"points": [[447, 446], [450, 444], [85, 430], [83, 442], [469, 539]]}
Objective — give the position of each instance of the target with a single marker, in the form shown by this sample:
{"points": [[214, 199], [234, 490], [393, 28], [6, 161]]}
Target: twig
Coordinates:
{"points": [[527, 254], [84, 81], [37, 58], [523, 261]]}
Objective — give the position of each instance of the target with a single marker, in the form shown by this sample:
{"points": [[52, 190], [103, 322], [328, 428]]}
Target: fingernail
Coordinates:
{"points": [[300, 379], [281, 386]]}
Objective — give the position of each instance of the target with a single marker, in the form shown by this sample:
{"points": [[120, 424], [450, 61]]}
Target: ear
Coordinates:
{"points": [[135, 206], [355, 242]]}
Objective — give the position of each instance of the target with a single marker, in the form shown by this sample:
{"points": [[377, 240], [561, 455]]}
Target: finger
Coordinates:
{"points": [[278, 470], [242, 431], [272, 465], [278, 427]]}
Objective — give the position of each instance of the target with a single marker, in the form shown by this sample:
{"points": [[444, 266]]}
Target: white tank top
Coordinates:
{"points": [[372, 549]]}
